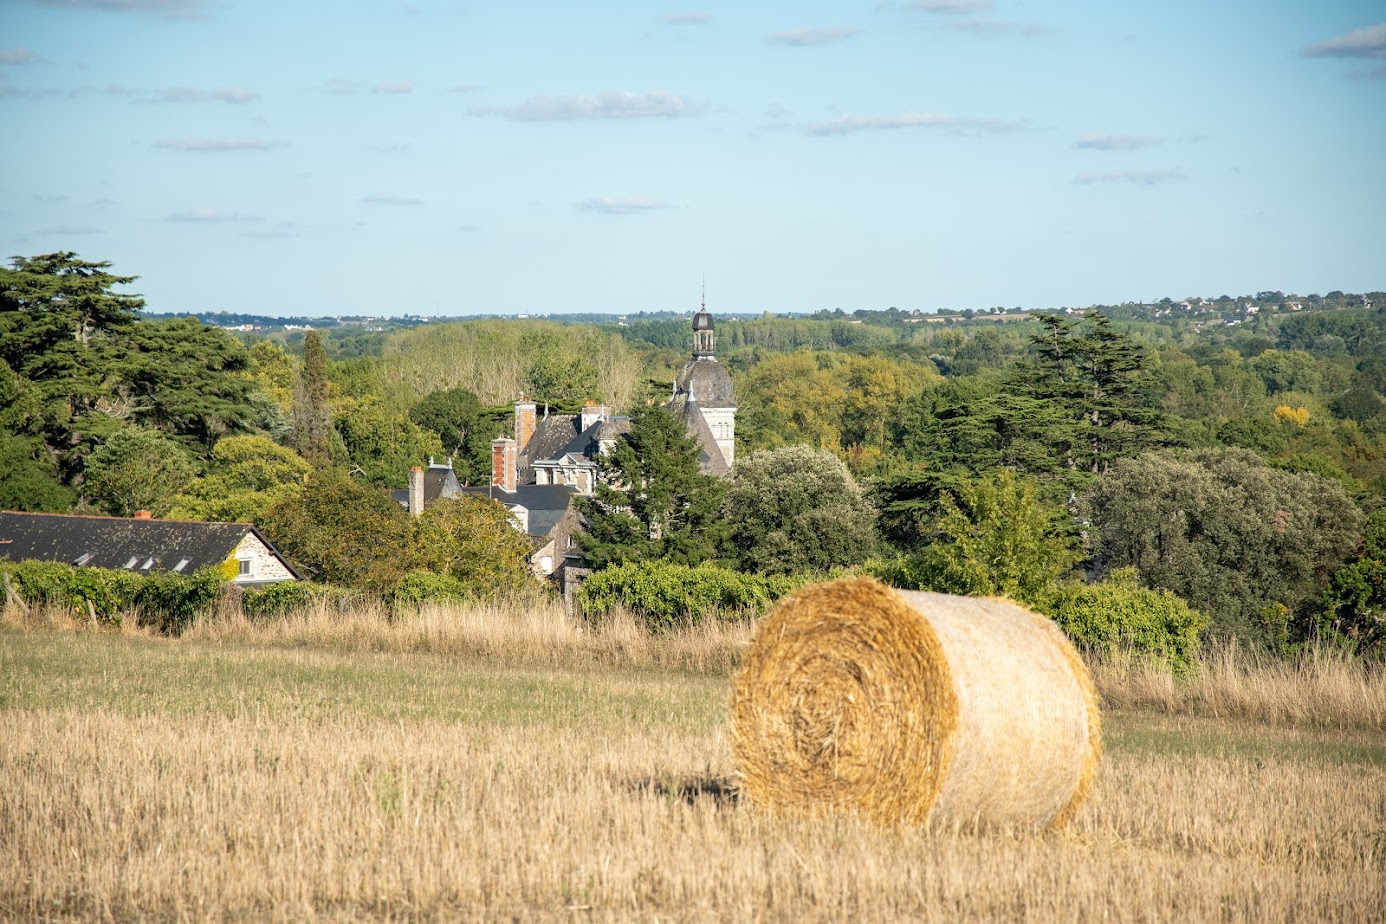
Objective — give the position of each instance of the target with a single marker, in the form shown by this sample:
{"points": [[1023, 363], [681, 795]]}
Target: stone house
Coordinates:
{"points": [[144, 544]]}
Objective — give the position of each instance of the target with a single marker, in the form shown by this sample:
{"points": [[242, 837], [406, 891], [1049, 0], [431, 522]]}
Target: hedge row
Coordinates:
{"points": [[1119, 614], [164, 600], [663, 595]]}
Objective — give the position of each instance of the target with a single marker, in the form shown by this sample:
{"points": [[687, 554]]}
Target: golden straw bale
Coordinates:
{"points": [[914, 707]]}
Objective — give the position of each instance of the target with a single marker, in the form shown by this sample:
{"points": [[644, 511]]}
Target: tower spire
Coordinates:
{"points": [[705, 291]]}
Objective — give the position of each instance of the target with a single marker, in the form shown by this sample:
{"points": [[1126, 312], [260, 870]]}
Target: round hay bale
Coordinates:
{"points": [[914, 707]]}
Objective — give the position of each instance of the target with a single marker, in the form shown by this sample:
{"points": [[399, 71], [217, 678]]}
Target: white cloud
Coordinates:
{"points": [[390, 199], [393, 87], [341, 86], [824, 35], [211, 216], [655, 104], [686, 19], [17, 56], [233, 95], [217, 144], [621, 205], [845, 125], [1116, 142], [996, 27], [951, 7], [1138, 177], [1369, 42]]}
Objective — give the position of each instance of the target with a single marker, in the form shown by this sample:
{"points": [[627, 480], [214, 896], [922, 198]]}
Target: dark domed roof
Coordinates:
{"points": [[702, 320], [706, 381]]}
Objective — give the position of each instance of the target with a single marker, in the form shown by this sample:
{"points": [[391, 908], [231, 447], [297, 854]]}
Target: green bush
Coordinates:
{"points": [[47, 583], [164, 600], [1119, 614], [419, 587], [170, 602], [274, 600], [663, 595]]}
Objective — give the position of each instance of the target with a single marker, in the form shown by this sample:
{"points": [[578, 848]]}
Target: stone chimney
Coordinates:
{"points": [[416, 491], [592, 413], [503, 473], [143, 515], [524, 423]]}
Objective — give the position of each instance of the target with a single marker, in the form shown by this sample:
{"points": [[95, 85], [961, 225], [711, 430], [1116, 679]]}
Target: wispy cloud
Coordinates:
{"points": [[621, 205], [17, 56], [204, 145], [997, 27], [1369, 42], [824, 35], [71, 230], [211, 217], [390, 199], [1116, 142], [685, 19], [1137, 177], [655, 104], [341, 86], [846, 125], [393, 87], [951, 7], [170, 9], [235, 95]]}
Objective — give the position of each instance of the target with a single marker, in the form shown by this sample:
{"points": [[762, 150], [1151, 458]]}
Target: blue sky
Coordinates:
{"points": [[456, 158]]}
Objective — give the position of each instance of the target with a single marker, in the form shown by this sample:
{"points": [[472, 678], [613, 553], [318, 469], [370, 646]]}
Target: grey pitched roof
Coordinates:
{"points": [[111, 542], [712, 461], [439, 481], [546, 503], [550, 435], [708, 382]]}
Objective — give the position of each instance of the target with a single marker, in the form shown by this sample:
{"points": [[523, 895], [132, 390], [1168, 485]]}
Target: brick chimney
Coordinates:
{"points": [[503, 473], [524, 423], [143, 515], [592, 412], [416, 491]]}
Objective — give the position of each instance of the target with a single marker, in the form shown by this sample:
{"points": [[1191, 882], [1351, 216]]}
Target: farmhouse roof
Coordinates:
{"points": [[119, 543]]}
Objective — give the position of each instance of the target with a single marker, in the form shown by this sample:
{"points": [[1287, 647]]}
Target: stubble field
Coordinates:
{"points": [[326, 772]]}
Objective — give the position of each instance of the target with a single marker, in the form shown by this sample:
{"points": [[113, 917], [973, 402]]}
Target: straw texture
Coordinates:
{"points": [[914, 707]]}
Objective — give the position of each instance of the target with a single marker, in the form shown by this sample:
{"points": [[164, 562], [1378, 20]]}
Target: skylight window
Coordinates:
{"points": [[83, 558], [148, 563], [182, 563], [132, 562]]}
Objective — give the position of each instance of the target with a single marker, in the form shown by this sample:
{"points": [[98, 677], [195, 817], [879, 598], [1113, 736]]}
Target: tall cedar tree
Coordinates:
{"points": [[651, 501], [312, 413], [1099, 376]]}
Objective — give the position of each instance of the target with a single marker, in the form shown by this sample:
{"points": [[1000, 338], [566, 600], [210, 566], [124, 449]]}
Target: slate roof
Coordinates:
{"points": [[439, 481], [712, 461], [550, 435], [708, 382], [112, 542], [546, 503]]}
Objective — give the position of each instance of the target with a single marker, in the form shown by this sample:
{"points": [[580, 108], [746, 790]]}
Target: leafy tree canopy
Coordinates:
{"points": [[245, 477], [1223, 530], [474, 540], [138, 469], [797, 509]]}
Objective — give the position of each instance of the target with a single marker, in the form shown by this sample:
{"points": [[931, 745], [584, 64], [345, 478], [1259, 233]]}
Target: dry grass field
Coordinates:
{"points": [[508, 765]]}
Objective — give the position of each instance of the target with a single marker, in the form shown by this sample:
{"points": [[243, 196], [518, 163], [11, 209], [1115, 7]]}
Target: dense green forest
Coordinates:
{"points": [[1229, 459]]}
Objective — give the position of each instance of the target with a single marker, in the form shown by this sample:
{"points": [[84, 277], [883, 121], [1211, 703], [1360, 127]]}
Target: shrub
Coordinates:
{"points": [[1118, 614], [419, 587], [273, 600], [48, 583], [663, 595], [170, 602]]}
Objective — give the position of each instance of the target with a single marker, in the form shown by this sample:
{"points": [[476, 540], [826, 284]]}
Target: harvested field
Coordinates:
{"points": [[209, 779]]}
